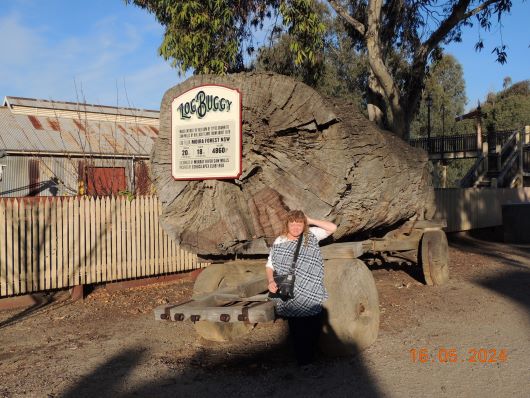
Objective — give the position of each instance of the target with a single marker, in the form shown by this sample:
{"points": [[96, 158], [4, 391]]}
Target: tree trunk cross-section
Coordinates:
{"points": [[300, 151]]}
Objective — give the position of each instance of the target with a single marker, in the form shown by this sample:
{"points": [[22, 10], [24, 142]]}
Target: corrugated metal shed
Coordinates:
{"points": [[57, 128], [52, 176], [50, 147]]}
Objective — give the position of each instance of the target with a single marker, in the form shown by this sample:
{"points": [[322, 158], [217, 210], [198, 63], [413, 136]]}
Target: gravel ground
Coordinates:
{"points": [[108, 345]]}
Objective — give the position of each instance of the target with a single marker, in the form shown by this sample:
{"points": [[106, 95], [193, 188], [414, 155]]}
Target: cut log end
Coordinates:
{"points": [[299, 151]]}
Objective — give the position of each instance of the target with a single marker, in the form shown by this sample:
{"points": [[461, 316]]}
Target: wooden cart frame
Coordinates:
{"points": [[230, 298]]}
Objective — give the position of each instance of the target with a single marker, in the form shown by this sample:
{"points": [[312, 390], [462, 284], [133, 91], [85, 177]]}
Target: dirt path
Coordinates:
{"points": [[110, 346]]}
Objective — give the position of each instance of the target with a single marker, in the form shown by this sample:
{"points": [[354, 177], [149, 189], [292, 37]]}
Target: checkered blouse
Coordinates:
{"points": [[309, 291]]}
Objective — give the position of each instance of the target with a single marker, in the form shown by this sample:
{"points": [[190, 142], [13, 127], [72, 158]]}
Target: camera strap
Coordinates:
{"points": [[295, 258]]}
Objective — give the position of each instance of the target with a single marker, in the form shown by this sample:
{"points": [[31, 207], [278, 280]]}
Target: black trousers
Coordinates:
{"points": [[304, 333]]}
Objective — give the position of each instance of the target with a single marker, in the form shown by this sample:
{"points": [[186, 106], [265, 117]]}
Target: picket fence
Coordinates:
{"points": [[55, 243]]}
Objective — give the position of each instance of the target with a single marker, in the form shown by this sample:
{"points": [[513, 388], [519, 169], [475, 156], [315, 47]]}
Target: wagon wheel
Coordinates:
{"points": [[351, 313], [218, 276], [434, 257]]}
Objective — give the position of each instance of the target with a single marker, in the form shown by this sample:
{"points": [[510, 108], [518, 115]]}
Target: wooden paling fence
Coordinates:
{"points": [[62, 242]]}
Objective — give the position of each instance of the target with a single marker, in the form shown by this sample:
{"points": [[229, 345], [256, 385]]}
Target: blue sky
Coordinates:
{"points": [[105, 52]]}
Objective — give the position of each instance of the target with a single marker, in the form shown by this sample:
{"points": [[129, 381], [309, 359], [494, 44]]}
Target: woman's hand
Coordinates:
{"points": [[327, 225], [273, 288]]}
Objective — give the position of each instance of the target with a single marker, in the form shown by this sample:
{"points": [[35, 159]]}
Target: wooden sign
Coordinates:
{"points": [[206, 133]]}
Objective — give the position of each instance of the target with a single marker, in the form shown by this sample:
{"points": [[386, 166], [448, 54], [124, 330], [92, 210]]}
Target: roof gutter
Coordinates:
{"points": [[77, 154]]}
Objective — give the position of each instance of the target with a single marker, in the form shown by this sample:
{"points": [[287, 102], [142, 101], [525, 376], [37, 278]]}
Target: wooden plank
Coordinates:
{"points": [[161, 236], [163, 239], [70, 254], [124, 259], [102, 241], [108, 239], [150, 235], [9, 247], [156, 228], [41, 266], [53, 243], [177, 255], [60, 245], [84, 237], [25, 234], [119, 258], [64, 206], [342, 250], [142, 239], [135, 236], [99, 237], [128, 238], [169, 263], [47, 244], [34, 247], [77, 236], [114, 238], [153, 228], [91, 264], [16, 249], [3, 249], [172, 263], [187, 261]]}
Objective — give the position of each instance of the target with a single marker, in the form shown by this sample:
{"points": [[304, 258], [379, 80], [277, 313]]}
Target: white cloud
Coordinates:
{"points": [[97, 58]]}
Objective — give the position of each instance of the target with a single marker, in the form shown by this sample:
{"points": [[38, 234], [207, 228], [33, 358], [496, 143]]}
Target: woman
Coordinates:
{"points": [[303, 312]]}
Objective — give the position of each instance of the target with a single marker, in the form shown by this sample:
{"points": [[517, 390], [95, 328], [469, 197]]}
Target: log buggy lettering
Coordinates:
{"points": [[202, 104]]}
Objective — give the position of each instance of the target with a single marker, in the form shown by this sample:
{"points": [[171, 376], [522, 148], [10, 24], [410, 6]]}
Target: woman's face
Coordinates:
{"points": [[295, 228]]}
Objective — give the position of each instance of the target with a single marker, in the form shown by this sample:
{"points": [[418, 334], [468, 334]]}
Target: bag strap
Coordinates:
{"points": [[297, 250]]}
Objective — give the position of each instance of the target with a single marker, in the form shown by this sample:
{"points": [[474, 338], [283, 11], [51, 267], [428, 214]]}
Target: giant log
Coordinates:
{"points": [[300, 150]]}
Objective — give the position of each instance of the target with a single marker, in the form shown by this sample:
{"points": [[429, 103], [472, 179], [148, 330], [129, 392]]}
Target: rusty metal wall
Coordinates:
{"points": [[56, 176]]}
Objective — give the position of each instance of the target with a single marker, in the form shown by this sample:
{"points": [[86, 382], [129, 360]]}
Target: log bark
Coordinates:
{"points": [[300, 151]]}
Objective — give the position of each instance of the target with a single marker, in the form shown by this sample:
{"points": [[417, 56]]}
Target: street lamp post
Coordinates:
{"points": [[428, 101]]}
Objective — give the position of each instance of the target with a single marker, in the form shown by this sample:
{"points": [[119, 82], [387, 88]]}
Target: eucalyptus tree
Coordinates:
{"points": [[213, 36], [445, 86]]}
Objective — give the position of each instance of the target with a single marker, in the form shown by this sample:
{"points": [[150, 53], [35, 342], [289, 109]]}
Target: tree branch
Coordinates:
{"points": [[359, 27], [458, 15], [479, 8]]}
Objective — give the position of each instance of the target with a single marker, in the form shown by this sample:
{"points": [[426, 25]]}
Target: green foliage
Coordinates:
{"points": [[446, 86], [339, 70], [456, 170], [399, 38], [509, 108], [128, 194], [213, 36]]}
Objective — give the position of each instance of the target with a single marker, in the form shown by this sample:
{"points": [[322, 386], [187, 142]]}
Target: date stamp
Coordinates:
{"points": [[452, 355]]}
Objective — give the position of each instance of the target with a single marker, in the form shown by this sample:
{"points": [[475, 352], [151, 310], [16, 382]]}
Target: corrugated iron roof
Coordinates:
{"points": [[59, 133], [78, 107]]}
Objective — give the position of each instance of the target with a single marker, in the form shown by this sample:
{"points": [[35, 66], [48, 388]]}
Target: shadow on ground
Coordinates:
{"points": [[488, 243], [212, 372], [514, 282], [42, 301]]}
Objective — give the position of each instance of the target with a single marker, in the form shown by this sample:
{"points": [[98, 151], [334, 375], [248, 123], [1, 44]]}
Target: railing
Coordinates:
{"points": [[477, 170], [460, 143], [503, 136], [526, 159], [445, 144], [58, 243], [509, 169], [508, 147]]}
